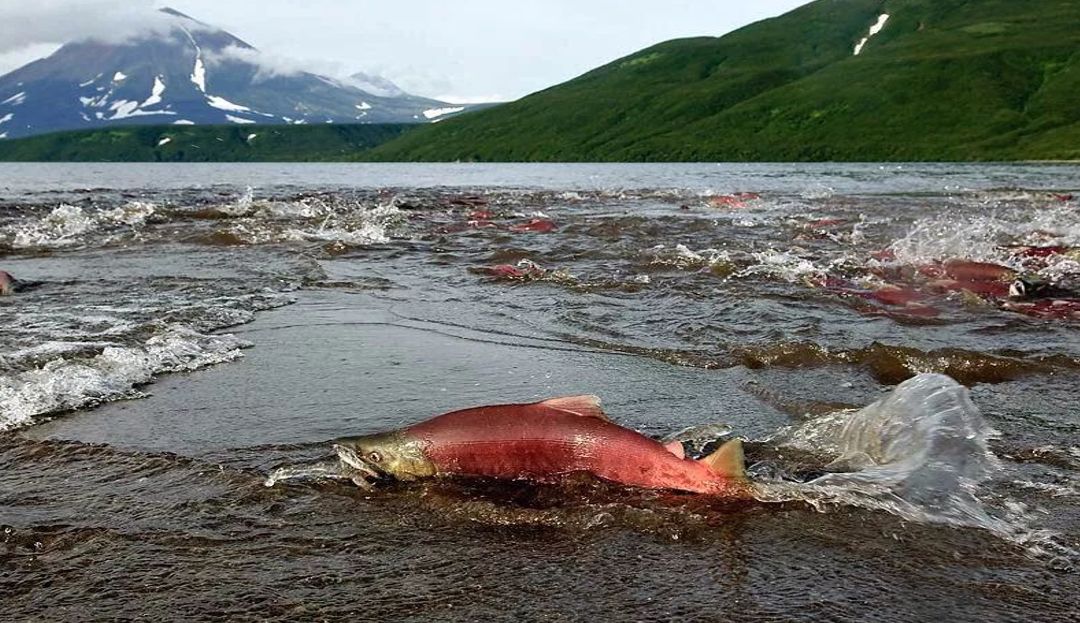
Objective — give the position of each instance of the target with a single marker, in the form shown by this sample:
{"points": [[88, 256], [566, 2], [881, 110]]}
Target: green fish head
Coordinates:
{"points": [[384, 456]]}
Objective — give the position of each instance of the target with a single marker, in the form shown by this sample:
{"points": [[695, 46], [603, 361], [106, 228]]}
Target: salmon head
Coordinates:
{"points": [[385, 456]]}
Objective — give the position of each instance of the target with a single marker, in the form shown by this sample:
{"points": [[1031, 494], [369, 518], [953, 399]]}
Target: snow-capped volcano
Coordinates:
{"points": [[189, 73]]}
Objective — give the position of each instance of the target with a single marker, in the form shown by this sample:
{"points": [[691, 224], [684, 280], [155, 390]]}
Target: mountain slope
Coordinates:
{"points": [[187, 72], [184, 143], [939, 80]]}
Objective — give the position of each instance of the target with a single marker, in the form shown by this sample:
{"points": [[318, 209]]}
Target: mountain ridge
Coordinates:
{"points": [[937, 80], [189, 73]]}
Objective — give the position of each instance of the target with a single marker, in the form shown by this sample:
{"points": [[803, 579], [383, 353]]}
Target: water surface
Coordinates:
{"points": [[199, 328]]}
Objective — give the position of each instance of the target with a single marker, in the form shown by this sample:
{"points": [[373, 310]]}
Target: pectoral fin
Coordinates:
{"points": [[728, 460], [585, 406], [676, 448]]}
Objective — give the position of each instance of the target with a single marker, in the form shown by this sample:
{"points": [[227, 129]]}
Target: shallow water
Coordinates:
{"points": [[200, 328]]}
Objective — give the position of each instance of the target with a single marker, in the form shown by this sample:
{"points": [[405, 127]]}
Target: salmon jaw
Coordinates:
{"points": [[364, 475]]}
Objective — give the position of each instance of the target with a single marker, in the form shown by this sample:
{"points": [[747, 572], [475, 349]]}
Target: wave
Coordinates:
{"points": [[70, 225], [72, 382]]}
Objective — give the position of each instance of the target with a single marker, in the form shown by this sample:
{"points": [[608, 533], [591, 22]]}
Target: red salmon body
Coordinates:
{"points": [[964, 270], [543, 442]]}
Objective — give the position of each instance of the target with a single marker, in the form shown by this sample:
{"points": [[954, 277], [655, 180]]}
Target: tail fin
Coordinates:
{"points": [[728, 460]]}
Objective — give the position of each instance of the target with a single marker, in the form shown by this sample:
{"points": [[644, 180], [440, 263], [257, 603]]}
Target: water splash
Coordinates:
{"points": [[987, 237], [783, 265], [69, 225], [921, 453], [327, 469], [67, 382]]}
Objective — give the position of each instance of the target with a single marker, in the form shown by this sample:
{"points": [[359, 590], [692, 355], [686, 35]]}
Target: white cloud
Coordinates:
{"points": [[14, 59], [269, 65], [60, 21], [472, 99], [273, 65]]}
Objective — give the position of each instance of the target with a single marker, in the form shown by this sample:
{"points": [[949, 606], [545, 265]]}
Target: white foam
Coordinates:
{"points": [[59, 229], [875, 29], [985, 237], [131, 214], [783, 265], [67, 224], [683, 257], [65, 383]]}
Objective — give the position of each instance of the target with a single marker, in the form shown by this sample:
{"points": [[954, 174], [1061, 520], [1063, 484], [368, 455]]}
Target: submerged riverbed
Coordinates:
{"points": [[197, 330]]}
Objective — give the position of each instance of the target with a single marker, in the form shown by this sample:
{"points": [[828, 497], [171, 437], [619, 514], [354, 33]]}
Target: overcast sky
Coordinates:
{"points": [[469, 50]]}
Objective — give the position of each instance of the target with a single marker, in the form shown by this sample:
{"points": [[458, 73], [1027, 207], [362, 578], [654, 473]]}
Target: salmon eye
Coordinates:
{"points": [[375, 457]]}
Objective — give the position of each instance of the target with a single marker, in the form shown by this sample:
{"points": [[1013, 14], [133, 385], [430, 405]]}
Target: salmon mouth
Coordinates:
{"points": [[364, 474]]}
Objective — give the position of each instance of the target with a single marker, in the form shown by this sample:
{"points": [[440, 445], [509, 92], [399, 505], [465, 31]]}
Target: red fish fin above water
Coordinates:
{"points": [[728, 460], [676, 448], [586, 406]]}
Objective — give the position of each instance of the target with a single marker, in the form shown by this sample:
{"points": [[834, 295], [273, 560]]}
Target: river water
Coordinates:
{"points": [[197, 334]]}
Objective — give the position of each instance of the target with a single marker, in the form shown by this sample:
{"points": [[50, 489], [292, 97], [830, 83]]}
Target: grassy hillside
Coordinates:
{"points": [[944, 80], [231, 143]]}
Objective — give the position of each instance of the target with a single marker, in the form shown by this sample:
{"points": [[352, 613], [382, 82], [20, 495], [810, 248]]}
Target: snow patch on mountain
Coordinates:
{"points": [[223, 104], [125, 109], [16, 99], [435, 113], [241, 120], [155, 93], [875, 29], [198, 74]]}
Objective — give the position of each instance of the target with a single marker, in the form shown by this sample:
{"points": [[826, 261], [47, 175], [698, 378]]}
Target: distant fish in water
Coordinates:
{"points": [[536, 225], [541, 442], [524, 271], [738, 200], [7, 283], [10, 285]]}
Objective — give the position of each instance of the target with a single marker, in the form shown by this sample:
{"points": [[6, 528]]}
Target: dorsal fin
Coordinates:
{"points": [[585, 406], [728, 460], [676, 448]]}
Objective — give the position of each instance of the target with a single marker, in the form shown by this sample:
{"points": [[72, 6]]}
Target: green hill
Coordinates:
{"points": [[943, 80], [230, 143]]}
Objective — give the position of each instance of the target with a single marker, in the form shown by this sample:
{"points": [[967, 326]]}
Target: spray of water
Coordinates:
{"points": [[921, 453]]}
